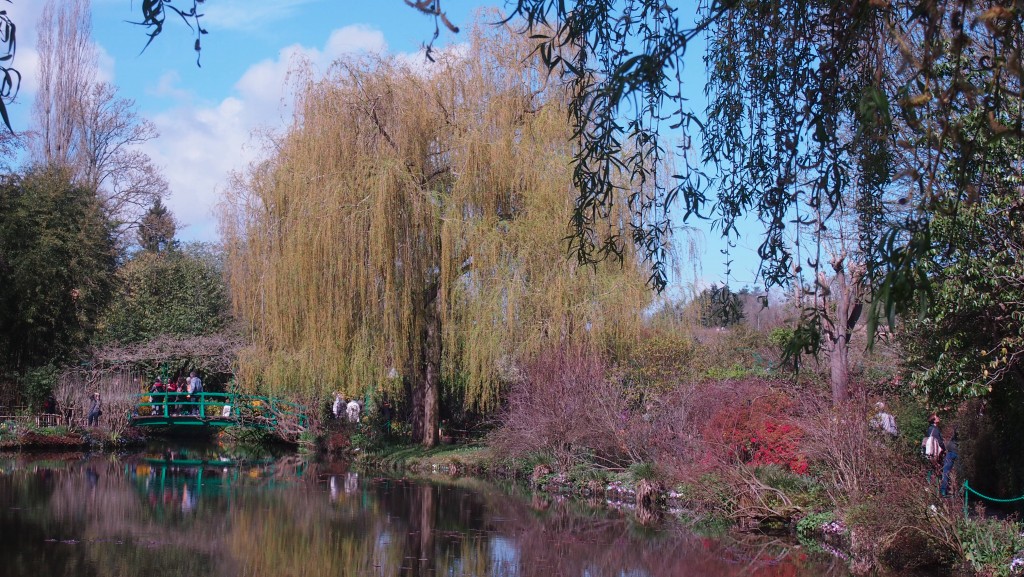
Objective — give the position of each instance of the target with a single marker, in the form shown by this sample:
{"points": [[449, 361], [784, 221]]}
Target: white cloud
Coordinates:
{"points": [[167, 87], [200, 146], [248, 14], [105, 65], [418, 62]]}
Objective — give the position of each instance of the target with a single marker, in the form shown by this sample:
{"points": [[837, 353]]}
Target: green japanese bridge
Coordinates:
{"points": [[214, 409]]}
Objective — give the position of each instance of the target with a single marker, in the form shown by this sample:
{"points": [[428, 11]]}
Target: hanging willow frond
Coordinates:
{"points": [[398, 192]]}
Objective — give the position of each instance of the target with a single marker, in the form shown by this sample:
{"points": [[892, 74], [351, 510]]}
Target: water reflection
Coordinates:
{"points": [[179, 510]]}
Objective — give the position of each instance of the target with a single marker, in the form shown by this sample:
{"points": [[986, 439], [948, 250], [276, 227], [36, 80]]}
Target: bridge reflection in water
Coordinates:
{"points": [[214, 409], [222, 512]]}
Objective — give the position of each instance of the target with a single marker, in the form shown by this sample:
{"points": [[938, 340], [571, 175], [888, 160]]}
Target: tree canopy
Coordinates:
{"points": [[57, 259], [411, 224], [171, 293]]}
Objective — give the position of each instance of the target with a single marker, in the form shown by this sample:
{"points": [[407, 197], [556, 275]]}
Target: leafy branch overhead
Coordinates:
{"points": [[812, 107], [10, 78], [154, 13], [433, 8]]}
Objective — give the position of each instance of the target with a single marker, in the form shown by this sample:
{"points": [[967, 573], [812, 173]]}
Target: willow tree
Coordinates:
{"points": [[409, 227]]}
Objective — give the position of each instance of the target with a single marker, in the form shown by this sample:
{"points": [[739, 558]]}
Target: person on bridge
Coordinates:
{"points": [[195, 386], [172, 397]]}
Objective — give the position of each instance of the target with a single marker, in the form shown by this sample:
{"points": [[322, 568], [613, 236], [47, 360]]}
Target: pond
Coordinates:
{"points": [[180, 510]]}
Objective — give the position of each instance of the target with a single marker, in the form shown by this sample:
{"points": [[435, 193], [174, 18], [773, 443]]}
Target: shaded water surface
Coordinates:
{"points": [[201, 511]]}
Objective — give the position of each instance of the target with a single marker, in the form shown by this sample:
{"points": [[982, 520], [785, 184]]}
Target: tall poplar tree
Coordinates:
{"points": [[412, 224], [82, 125]]}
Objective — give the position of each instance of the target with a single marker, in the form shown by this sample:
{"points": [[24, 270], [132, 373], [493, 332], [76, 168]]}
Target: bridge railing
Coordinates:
{"points": [[249, 409], [172, 404]]}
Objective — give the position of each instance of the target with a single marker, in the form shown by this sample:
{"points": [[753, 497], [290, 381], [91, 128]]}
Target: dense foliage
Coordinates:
{"points": [[177, 292], [156, 229], [57, 260]]}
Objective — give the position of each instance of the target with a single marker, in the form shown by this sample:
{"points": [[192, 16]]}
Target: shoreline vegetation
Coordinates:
{"points": [[708, 428], [737, 497]]}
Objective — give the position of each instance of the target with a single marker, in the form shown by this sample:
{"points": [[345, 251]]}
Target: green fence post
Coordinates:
{"points": [[202, 406]]}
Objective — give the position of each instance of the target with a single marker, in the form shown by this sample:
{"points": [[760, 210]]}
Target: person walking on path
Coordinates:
{"points": [[933, 445], [95, 410], [948, 460], [352, 410], [883, 420], [339, 405]]}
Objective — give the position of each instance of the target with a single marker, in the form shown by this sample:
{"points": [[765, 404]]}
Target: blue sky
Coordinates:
{"points": [[205, 115]]}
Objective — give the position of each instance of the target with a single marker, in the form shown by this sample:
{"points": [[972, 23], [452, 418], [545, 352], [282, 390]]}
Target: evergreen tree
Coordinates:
{"points": [[57, 261], [157, 229], [178, 293]]}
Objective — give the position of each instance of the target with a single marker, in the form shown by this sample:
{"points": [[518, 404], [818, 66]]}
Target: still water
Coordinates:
{"points": [[197, 511]]}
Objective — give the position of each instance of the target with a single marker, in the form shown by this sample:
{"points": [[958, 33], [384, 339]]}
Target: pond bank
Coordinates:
{"points": [[650, 499], [61, 439]]}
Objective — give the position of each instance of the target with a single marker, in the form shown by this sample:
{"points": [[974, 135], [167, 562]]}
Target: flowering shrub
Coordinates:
{"points": [[759, 432], [775, 444]]}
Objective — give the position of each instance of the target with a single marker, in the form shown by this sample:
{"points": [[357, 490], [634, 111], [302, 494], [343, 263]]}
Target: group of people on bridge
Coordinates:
{"points": [[179, 391]]}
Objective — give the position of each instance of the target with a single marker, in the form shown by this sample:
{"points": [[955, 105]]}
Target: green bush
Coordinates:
{"points": [[780, 337], [643, 472], [808, 527], [37, 384], [735, 371], [990, 545], [708, 493], [802, 490], [584, 472]]}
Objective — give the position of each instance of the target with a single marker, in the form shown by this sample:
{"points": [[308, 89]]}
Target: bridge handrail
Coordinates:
{"points": [[238, 401]]}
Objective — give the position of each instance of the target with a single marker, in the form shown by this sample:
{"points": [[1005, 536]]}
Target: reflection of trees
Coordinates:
{"points": [[85, 519], [561, 541], [254, 521]]}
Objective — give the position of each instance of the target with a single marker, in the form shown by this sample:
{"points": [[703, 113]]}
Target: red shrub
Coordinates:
{"points": [[759, 431]]}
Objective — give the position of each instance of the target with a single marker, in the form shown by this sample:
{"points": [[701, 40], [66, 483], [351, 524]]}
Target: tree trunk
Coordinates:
{"points": [[431, 374], [839, 362], [846, 285], [425, 376], [414, 391]]}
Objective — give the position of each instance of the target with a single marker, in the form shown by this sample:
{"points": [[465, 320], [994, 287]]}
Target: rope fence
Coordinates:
{"points": [[967, 494]]}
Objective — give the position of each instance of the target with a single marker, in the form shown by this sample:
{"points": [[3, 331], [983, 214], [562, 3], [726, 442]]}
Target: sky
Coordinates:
{"points": [[207, 115]]}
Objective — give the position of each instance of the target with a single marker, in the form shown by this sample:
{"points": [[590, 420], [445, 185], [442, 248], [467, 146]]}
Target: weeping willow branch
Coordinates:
{"points": [[409, 230]]}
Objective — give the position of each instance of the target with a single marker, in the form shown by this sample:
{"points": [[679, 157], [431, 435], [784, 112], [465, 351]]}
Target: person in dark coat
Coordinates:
{"points": [[95, 410], [948, 460]]}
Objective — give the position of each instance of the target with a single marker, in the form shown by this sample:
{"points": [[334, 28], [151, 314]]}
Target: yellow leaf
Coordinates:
{"points": [[919, 100], [995, 13]]}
